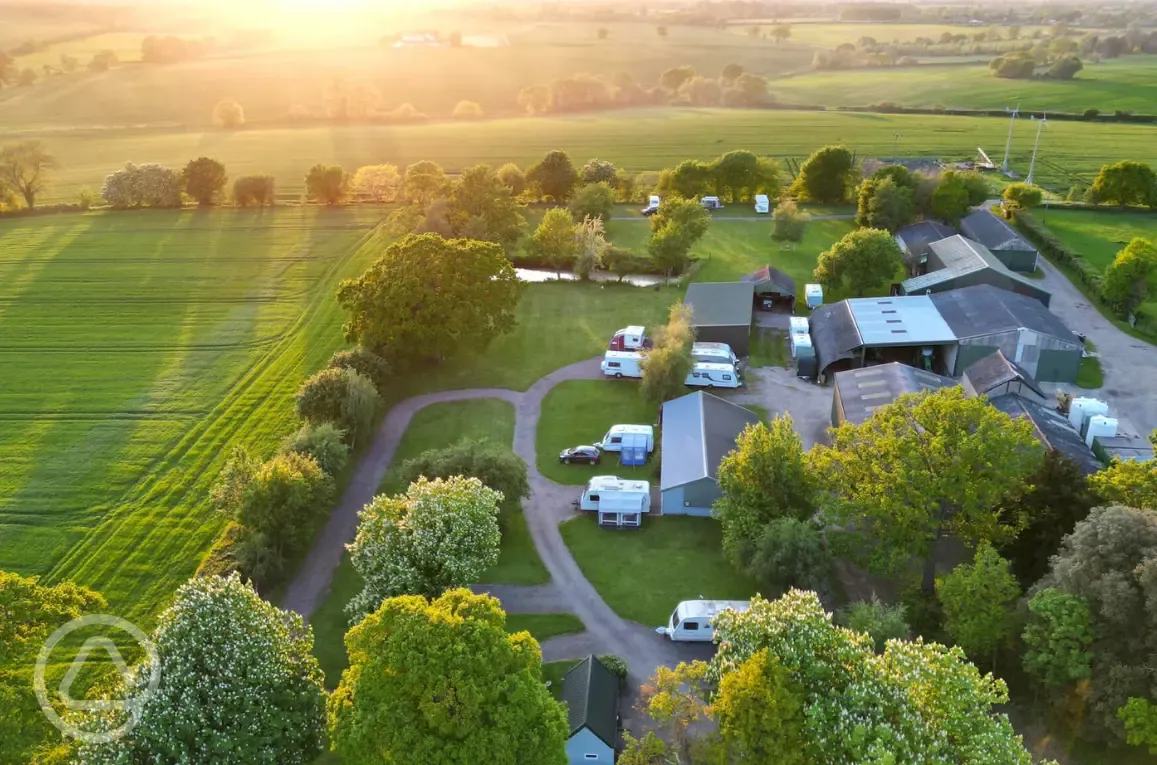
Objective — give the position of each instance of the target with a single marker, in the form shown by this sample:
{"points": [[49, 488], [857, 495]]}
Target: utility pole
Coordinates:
{"points": [[1008, 144], [1032, 165], [895, 141]]}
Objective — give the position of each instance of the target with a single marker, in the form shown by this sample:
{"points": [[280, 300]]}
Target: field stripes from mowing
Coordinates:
{"points": [[137, 350]]}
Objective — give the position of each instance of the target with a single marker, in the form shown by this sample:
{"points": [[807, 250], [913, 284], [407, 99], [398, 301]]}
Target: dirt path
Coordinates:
{"points": [[548, 506]]}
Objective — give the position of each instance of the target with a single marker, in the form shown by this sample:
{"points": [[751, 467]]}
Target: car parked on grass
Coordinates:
{"points": [[652, 206], [588, 454]]}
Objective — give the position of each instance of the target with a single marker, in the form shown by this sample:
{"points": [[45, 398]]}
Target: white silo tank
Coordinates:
{"points": [[1100, 427]]}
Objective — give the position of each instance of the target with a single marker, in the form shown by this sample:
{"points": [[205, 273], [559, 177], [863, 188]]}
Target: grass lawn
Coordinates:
{"points": [[553, 672], [138, 349], [543, 626], [1089, 374], [643, 574], [769, 348], [579, 412]]}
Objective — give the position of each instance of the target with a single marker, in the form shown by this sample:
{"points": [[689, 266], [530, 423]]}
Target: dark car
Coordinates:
{"points": [[587, 454], [649, 210]]}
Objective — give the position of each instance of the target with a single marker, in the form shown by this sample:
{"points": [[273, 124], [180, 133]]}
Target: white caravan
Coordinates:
{"points": [[714, 353], [631, 435], [622, 364], [632, 338], [619, 503], [707, 375], [693, 621], [762, 205]]}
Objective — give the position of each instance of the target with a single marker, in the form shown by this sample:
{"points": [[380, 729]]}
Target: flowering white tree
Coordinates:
{"points": [[238, 683], [439, 535], [149, 185], [379, 182], [916, 702]]}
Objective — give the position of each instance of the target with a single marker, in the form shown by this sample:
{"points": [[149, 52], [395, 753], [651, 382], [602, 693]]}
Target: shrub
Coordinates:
{"points": [[881, 621], [617, 666], [366, 363], [147, 185], [205, 179], [325, 443], [595, 200], [495, 465], [253, 190], [467, 110], [340, 396], [327, 184]]}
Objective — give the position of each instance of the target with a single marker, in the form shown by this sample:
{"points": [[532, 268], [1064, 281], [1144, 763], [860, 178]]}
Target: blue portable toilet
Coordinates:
{"points": [[634, 449]]}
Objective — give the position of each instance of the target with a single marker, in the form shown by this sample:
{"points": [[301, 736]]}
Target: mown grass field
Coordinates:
{"points": [[1128, 83], [648, 139], [137, 350]]}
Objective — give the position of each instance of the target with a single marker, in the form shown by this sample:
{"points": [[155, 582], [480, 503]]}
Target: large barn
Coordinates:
{"points": [[1001, 240], [856, 393], [958, 262], [985, 318], [721, 313]]}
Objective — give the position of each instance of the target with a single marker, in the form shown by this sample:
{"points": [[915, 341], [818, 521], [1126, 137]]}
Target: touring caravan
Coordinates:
{"points": [[631, 338], [620, 436], [762, 205], [693, 621], [715, 353], [708, 375], [622, 364], [620, 504]]}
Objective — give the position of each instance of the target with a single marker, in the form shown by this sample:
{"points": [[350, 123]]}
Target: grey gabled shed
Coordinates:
{"points": [[1012, 249], [591, 694], [721, 313]]}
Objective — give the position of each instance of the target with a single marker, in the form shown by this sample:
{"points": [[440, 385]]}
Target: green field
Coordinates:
{"points": [[636, 140], [138, 349], [1128, 83], [830, 35]]}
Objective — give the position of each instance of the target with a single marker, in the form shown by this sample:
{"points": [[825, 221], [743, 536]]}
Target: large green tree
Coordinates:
{"points": [[1057, 638], [675, 228], [925, 465], [760, 712], [787, 553], [827, 177], [886, 205], [328, 184], [764, 478], [788, 222], [429, 298], [554, 176], [342, 396], [1128, 482], [861, 261], [424, 182], [442, 681], [554, 241], [439, 535], [1125, 283], [204, 180], [1125, 183], [481, 206], [25, 168], [740, 175], [690, 179], [595, 200], [915, 702], [978, 599], [285, 501], [666, 366], [950, 201]]}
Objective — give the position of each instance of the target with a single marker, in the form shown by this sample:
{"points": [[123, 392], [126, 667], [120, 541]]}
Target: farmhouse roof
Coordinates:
{"points": [[862, 391], [983, 309], [962, 256], [777, 280], [591, 693], [995, 370], [720, 304], [1051, 429], [993, 232], [699, 430]]}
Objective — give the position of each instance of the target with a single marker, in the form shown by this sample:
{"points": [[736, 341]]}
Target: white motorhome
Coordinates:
{"points": [[762, 205], [708, 375], [711, 203], [632, 338], [619, 503], [715, 353], [622, 364], [629, 435], [693, 621]]}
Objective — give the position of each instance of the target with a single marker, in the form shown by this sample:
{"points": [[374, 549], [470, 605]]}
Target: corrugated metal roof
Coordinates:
{"points": [[995, 370], [906, 320], [591, 693], [962, 256], [1051, 429], [699, 430], [983, 309], [768, 279], [834, 334], [862, 391], [993, 232], [720, 304], [916, 237]]}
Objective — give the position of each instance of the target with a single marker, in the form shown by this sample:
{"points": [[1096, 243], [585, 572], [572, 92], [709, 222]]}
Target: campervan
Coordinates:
{"points": [[762, 205], [622, 364], [711, 203], [628, 435], [707, 375], [631, 338], [715, 353], [693, 621], [619, 503]]}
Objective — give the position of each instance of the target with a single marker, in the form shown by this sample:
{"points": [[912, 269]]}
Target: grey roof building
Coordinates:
{"points": [[985, 318], [721, 313], [699, 430], [591, 694], [959, 262], [1001, 239], [772, 283], [994, 375], [856, 393], [857, 330], [1051, 429], [915, 238]]}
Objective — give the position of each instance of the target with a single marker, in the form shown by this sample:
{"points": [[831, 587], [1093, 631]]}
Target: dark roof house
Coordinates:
{"points": [[699, 430], [1001, 239], [721, 313], [591, 694], [994, 375], [915, 239], [958, 262], [1051, 429], [771, 282], [856, 393]]}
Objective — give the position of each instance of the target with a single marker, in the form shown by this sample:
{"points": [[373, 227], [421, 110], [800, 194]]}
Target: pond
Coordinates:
{"points": [[535, 275]]}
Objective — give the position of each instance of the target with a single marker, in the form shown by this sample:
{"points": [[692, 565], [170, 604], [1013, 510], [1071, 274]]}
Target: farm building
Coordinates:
{"points": [[985, 318], [855, 332], [959, 262], [721, 313], [1001, 240], [772, 284], [914, 239], [995, 375], [1051, 429], [856, 393], [698, 432], [591, 693]]}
